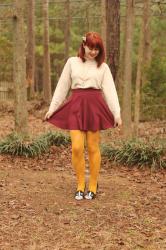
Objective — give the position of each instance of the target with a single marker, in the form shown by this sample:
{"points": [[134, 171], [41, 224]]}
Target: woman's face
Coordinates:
{"points": [[91, 53]]}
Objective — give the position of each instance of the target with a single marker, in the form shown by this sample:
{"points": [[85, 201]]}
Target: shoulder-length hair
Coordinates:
{"points": [[92, 40]]}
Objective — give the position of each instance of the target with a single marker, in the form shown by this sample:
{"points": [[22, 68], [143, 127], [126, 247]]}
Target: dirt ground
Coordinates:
{"points": [[38, 210]]}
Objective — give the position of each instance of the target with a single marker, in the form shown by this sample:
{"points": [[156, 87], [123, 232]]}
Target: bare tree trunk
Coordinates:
{"points": [[113, 35], [138, 81], [31, 48], [67, 29], [120, 74], [144, 58], [46, 64], [147, 32], [126, 101], [87, 22], [147, 53], [104, 25], [19, 68]]}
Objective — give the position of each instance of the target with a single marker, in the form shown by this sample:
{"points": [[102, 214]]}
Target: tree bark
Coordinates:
{"points": [[138, 81], [113, 35], [126, 101], [19, 71], [87, 14], [30, 62], [144, 58], [147, 33], [46, 64], [104, 25], [147, 50], [120, 74], [67, 29]]}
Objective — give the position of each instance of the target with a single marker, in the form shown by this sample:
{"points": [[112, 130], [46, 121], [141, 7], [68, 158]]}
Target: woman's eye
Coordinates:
{"points": [[94, 49]]}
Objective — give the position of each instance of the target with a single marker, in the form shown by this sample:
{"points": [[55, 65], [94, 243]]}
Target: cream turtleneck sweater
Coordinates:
{"points": [[78, 74]]}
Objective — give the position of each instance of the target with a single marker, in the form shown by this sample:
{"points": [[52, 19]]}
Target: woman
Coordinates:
{"points": [[93, 106]]}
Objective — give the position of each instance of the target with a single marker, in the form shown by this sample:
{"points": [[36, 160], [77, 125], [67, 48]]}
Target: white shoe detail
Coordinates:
{"points": [[89, 195], [79, 196]]}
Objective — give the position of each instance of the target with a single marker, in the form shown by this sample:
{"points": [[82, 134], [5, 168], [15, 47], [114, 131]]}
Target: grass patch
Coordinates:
{"points": [[137, 152], [134, 152], [14, 144]]}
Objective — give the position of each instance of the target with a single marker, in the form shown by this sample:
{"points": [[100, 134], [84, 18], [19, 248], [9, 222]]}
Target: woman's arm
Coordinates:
{"points": [[110, 93], [62, 88]]}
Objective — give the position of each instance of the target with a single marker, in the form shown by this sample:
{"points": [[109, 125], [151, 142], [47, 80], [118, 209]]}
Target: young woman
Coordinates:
{"points": [[92, 106]]}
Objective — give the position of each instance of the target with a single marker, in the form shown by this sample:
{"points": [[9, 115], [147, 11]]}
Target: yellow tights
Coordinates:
{"points": [[78, 144]]}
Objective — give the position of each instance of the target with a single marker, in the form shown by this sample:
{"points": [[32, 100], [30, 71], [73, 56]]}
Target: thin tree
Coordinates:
{"points": [[147, 50], [87, 15], [120, 74], [113, 35], [46, 59], [147, 32], [67, 28], [30, 62], [126, 100], [138, 80], [144, 58], [104, 23], [19, 70]]}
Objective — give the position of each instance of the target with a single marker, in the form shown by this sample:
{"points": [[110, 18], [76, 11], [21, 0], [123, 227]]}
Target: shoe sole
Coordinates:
{"points": [[79, 198]]}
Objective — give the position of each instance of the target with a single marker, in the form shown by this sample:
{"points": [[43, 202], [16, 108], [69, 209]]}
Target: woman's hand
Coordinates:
{"points": [[48, 115], [117, 122]]}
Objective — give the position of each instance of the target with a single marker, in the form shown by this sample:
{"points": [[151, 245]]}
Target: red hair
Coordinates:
{"points": [[93, 40]]}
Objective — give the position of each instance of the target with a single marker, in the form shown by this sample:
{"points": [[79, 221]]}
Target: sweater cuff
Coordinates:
{"points": [[52, 109], [117, 115]]}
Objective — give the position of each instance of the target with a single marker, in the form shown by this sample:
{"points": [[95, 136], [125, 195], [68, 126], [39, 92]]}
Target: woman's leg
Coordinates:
{"points": [[93, 139], [78, 161]]}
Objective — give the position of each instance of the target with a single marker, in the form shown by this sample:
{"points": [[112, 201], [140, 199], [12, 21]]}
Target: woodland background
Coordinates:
{"points": [[37, 181]]}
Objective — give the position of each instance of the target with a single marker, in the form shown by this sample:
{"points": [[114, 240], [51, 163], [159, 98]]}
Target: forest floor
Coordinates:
{"points": [[38, 210]]}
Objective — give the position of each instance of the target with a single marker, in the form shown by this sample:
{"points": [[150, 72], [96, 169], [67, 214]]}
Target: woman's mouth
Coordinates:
{"points": [[92, 55]]}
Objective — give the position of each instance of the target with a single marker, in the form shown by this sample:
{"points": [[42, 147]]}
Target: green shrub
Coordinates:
{"points": [[134, 152], [16, 145], [137, 152]]}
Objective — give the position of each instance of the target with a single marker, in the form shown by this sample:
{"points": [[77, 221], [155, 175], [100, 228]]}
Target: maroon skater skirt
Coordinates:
{"points": [[84, 110]]}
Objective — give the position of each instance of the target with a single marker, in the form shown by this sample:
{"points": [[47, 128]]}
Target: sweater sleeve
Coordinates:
{"points": [[110, 93], [62, 87]]}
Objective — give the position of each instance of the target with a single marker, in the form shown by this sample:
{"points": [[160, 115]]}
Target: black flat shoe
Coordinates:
{"points": [[90, 195], [79, 195]]}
